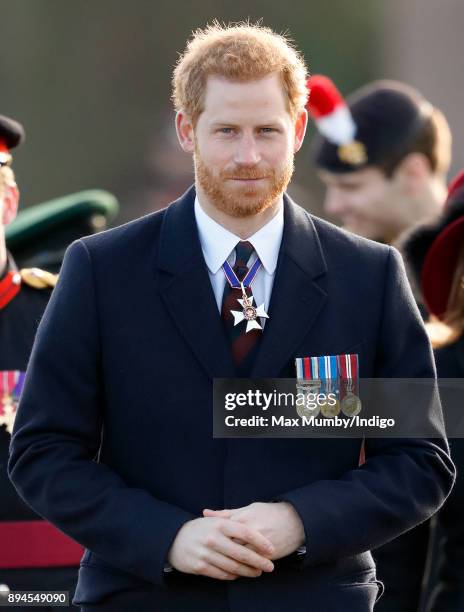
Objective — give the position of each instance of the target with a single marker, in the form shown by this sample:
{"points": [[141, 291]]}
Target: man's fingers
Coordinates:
{"points": [[243, 556], [206, 569], [220, 513], [234, 529], [231, 566]]}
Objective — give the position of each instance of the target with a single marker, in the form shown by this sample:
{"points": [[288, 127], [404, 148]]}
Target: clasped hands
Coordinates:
{"points": [[228, 544]]}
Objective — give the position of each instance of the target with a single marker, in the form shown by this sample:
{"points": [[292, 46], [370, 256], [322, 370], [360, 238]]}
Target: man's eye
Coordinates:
{"points": [[225, 130], [267, 130]]}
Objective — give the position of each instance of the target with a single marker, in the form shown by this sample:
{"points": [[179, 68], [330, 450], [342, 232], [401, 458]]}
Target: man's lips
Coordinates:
{"points": [[248, 180]]}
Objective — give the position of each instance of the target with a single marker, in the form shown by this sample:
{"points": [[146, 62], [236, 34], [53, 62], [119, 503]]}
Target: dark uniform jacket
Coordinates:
{"points": [[113, 439], [18, 324], [447, 577]]}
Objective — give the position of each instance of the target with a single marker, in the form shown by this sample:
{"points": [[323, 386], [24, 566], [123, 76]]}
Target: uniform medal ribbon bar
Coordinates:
{"points": [[349, 374], [307, 384], [328, 373], [319, 375], [316, 369]]}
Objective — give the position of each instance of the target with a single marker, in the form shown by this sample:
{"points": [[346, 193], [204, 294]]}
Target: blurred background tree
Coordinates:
{"points": [[91, 82]]}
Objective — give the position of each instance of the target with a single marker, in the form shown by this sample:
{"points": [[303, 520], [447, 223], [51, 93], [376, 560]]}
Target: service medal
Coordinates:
{"points": [[249, 312], [351, 404], [348, 365], [316, 374], [331, 410], [305, 410], [308, 412]]}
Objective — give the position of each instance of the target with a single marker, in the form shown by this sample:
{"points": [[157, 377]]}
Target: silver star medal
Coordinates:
{"points": [[248, 313]]}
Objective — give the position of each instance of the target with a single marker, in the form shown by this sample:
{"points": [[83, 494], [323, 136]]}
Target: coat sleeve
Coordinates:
{"points": [[404, 480], [57, 433]]}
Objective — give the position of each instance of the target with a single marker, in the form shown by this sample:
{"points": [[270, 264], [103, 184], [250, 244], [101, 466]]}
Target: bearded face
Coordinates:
{"points": [[244, 141], [242, 191]]}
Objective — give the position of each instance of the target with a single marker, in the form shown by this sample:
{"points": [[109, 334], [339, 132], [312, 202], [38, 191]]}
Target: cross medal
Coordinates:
{"points": [[249, 313]]}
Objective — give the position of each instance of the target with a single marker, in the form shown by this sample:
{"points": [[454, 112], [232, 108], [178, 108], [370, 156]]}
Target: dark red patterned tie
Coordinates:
{"points": [[243, 345]]}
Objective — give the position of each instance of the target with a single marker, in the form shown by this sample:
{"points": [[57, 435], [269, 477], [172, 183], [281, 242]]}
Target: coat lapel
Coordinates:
{"points": [[296, 297], [186, 289]]}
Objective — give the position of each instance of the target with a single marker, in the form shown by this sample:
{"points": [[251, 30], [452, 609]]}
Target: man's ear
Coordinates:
{"points": [[184, 130], [10, 203], [301, 124], [412, 172]]}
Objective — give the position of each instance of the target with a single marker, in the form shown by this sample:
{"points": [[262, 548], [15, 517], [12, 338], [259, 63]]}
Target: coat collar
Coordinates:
{"points": [[186, 289], [296, 298]]}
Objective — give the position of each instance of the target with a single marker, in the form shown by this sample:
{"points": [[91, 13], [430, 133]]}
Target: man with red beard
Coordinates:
{"points": [[114, 440]]}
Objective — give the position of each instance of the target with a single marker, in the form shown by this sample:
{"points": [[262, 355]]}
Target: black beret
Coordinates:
{"points": [[388, 116], [11, 132]]}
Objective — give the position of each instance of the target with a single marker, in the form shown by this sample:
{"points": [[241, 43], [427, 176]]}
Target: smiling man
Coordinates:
{"points": [[400, 180], [243, 153], [113, 440]]}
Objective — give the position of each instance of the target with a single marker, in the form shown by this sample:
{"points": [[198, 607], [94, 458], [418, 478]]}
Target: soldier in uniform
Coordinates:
{"points": [[435, 255], [383, 155], [39, 235], [34, 555]]}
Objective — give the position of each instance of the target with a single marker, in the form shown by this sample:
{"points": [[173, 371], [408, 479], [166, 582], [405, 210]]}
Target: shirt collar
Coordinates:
{"points": [[217, 242]]}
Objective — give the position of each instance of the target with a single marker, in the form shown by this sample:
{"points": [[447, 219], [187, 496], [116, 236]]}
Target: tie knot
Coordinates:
{"points": [[243, 252]]}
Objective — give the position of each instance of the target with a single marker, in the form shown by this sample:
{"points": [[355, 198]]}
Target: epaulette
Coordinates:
{"points": [[37, 278]]}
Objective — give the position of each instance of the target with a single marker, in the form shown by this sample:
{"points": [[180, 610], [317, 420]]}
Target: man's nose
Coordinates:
{"points": [[247, 152]]}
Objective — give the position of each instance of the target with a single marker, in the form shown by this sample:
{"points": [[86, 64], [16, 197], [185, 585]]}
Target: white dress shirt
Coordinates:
{"points": [[218, 245]]}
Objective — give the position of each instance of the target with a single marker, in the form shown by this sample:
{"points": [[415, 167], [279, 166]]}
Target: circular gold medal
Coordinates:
{"points": [[331, 410], [351, 404]]}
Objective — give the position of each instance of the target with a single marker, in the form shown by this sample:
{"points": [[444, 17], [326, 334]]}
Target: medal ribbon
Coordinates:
{"points": [[328, 367], [317, 368], [328, 371], [19, 386], [248, 279], [349, 372], [8, 382]]}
